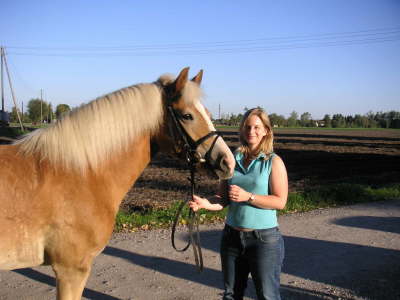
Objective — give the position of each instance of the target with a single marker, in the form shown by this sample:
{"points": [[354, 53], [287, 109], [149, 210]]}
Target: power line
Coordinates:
{"points": [[239, 46], [362, 33]]}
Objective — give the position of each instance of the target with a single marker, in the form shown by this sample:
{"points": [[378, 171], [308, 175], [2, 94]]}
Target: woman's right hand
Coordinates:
{"points": [[198, 202]]}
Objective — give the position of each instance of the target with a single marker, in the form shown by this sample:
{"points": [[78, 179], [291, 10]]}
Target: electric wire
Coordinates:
{"points": [[362, 37]]}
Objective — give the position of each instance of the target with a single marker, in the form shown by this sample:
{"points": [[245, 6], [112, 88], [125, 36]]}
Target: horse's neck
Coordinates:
{"points": [[121, 172]]}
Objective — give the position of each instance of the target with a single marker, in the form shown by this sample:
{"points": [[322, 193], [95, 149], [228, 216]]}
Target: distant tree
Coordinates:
{"points": [[338, 121], [34, 108], [305, 119], [292, 121], [349, 121], [394, 119], [50, 114], [277, 120], [27, 118], [14, 115], [61, 110], [282, 121], [327, 121]]}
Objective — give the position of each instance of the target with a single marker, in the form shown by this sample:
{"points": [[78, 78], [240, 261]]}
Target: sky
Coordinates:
{"points": [[315, 56]]}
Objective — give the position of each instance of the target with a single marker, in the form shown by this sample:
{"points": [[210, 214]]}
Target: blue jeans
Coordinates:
{"points": [[259, 253]]}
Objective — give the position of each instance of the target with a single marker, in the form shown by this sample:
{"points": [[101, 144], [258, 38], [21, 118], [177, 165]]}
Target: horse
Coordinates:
{"points": [[61, 186]]}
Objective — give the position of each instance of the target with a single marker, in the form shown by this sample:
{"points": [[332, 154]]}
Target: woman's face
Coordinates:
{"points": [[253, 131]]}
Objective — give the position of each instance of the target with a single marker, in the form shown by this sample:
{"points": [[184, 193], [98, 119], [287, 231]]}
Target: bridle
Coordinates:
{"points": [[193, 157], [190, 146]]}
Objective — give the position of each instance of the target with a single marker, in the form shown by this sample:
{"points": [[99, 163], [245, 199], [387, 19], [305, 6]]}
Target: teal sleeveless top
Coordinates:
{"points": [[254, 179]]}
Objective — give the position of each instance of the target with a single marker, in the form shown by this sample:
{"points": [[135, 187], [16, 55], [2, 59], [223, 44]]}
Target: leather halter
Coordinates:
{"points": [[193, 157]]}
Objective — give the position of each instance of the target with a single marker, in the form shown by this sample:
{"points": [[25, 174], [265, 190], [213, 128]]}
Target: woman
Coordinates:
{"points": [[251, 241]]}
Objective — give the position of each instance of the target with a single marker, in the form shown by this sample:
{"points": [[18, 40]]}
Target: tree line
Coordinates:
{"points": [[389, 119], [40, 111]]}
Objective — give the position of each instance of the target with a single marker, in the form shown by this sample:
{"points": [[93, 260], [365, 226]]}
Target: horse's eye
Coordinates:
{"points": [[187, 117]]}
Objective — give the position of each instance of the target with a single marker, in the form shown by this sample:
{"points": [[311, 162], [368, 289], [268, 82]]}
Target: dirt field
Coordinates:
{"points": [[311, 156]]}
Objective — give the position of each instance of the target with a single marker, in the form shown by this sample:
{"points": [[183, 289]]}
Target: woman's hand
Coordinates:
{"points": [[198, 203], [237, 194]]}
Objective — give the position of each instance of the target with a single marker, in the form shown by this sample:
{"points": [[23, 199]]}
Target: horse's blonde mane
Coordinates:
{"points": [[99, 129], [102, 128]]}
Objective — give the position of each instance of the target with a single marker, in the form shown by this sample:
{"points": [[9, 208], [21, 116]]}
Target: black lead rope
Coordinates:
{"points": [[193, 221]]}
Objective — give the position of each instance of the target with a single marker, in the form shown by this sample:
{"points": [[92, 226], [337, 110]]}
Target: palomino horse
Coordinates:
{"points": [[60, 187]]}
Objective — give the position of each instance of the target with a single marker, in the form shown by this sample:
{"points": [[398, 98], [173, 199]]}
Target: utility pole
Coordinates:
{"points": [[2, 85], [41, 107], [49, 113], [3, 59]]}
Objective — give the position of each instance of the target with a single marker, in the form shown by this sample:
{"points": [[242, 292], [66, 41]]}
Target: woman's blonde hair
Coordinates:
{"points": [[266, 144]]}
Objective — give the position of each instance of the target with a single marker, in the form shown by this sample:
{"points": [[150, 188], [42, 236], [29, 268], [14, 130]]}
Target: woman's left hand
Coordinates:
{"points": [[237, 194]]}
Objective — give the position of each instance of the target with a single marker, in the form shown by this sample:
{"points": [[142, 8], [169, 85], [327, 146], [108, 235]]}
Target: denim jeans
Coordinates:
{"points": [[259, 253]]}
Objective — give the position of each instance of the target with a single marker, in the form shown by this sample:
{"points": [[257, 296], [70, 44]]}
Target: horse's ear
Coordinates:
{"points": [[197, 79], [181, 80]]}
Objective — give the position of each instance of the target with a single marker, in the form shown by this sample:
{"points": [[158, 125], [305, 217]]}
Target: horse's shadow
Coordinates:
{"points": [[51, 281]]}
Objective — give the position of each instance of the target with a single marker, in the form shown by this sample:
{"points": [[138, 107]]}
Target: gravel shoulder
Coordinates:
{"points": [[349, 252]]}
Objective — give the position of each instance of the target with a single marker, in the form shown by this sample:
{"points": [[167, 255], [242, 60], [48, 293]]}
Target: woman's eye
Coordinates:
{"points": [[187, 117]]}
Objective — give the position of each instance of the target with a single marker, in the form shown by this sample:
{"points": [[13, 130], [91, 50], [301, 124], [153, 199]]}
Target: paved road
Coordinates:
{"points": [[341, 253]]}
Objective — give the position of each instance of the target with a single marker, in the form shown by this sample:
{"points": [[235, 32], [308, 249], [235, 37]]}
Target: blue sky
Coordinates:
{"points": [[321, 57]]}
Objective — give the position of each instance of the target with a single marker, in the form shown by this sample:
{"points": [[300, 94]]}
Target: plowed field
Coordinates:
{"points": [[312, 157]]}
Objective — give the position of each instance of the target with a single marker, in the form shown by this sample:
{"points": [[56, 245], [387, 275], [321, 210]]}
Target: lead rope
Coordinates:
{"points": [[193, 220]]}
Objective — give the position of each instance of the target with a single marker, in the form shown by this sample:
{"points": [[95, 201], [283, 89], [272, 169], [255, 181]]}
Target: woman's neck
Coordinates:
{"points": [[252, 153]]}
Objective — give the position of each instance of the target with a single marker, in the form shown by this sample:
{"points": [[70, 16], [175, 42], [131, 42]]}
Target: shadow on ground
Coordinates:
{"points": [[367, 271]]}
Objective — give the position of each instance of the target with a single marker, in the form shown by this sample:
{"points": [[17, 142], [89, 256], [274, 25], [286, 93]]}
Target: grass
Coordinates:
{"points": [[339, 195], [310, 199]]}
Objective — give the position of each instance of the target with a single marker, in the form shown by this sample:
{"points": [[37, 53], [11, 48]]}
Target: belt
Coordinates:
{"points": [[240, 229]]}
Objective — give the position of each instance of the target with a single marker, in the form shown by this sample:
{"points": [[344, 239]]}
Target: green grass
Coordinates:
{"points": [[161, 218], [30, 125], [310, 199], [338, 195]]}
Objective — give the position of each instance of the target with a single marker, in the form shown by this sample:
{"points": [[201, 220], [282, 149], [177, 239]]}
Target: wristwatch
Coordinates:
{"points": [[251, 198]]}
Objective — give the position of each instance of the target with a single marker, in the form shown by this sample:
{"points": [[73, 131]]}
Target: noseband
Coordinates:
{"points": [[192, 157]]}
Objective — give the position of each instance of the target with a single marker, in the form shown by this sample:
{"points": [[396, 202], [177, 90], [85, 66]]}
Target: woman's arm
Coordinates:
{"points": [[278, 183], [214, 203]]}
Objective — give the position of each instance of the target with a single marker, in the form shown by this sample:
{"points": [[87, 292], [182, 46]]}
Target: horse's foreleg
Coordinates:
{"points": [[71, 281]]}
